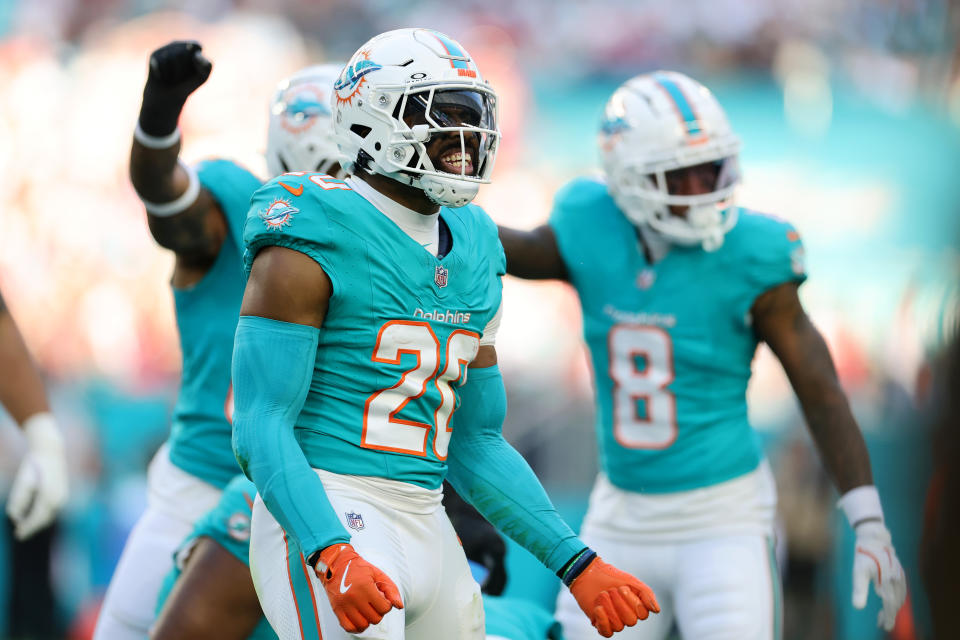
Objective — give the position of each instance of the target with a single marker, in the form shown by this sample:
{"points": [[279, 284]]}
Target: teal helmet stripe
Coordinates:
{"points": [[683, 105], [453, 49]]}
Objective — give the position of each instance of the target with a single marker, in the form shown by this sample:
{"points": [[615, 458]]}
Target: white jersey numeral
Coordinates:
{"points": [[641, 367], [382, 428]]}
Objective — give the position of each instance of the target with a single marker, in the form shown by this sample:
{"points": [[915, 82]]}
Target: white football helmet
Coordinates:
{"points": [[396, 93], [659, 122], [300, 135]]}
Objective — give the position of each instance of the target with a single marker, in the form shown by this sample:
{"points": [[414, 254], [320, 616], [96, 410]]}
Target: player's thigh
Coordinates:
{"points": [[728, 588], [653, 564], [456, 610], [213, 598], [292, 597], [281, 579], [131, 600]]}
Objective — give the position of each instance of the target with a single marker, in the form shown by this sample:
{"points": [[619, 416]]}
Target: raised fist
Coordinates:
{"points": [[176, 70]]}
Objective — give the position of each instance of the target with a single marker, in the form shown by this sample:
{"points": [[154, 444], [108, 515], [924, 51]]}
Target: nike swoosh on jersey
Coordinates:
{"points": [[343, 580], [295, 191]]}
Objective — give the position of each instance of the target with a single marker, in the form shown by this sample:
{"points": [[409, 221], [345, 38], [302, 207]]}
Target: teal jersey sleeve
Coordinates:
{"points": [[582, 210], [518, 619], [272, 363], [767, 252], [493, 477], [289, 211], [231, 186]]}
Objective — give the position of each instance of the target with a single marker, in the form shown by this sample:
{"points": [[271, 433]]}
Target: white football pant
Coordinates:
{"points": [[398, 527], [175, 500], [707, 554]]}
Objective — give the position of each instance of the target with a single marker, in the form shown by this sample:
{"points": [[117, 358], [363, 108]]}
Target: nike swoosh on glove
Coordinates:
{"points": [[40, 487], [875, 560], [611, 598], [360, 594]]}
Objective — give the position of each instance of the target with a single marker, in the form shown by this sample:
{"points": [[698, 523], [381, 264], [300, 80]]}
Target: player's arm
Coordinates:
{"points": [[274, 354], [533, 254], [183, 216], [780, 320], [40, 486], [213, 598], [492, 476]]}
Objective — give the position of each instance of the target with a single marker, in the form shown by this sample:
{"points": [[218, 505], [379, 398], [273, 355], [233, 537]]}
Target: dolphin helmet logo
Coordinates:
{"points": [[353, 77]]}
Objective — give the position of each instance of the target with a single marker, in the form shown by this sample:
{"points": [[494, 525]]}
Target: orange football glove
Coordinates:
{"points": [[611, 598], [360, 594]]}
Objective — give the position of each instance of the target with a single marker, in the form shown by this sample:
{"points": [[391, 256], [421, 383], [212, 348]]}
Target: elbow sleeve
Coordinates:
{"points": [[272, 370], [492, 476]]}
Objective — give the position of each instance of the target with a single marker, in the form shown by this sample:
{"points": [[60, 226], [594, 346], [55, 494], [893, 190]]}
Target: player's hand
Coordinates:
{"points": [[611, 598], [360, 594], [40, 487], [875, 560], [176, 70]]}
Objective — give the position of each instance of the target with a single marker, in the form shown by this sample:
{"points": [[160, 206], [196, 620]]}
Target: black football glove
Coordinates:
{"points": [[176, 70]]}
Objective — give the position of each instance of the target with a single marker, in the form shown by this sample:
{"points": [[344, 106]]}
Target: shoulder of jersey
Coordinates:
{"points": [[474, 217], [583, 193], [753, 226], [287, 199], [760, 236], [225, 166]]}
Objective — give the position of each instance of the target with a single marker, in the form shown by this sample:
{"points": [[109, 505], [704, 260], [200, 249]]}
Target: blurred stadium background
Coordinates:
{"points": [[849, 112]]}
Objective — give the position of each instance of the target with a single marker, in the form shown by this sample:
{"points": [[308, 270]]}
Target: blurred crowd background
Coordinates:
{"points": [[849, 111]]}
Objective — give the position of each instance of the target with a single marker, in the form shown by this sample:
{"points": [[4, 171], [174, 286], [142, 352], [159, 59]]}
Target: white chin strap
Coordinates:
{"points": [[448, 192]]}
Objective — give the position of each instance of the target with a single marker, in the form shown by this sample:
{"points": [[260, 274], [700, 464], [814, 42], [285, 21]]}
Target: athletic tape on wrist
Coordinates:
{"points": [[182, 203], [156, 142], [41, 431], [861, 505]]}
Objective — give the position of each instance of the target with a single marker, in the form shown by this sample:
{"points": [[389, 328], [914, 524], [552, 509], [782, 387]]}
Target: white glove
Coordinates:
{"points": [[40, 486], [875, 560]]}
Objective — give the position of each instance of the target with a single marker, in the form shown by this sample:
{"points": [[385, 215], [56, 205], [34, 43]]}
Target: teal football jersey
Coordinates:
{"points": [[207, 315], [227, 524], [400, 329], [671, 343]]}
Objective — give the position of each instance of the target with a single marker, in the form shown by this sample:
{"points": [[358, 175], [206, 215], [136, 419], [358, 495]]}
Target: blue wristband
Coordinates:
{"points": [[576, 565]]}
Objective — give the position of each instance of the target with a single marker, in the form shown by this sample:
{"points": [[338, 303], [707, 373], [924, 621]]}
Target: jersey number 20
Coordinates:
{"points": [[641, 367], [382, 429]]}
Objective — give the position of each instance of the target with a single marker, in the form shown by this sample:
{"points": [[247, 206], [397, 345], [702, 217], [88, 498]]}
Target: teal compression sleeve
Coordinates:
{"points": [[492, 476], [272, 369]]}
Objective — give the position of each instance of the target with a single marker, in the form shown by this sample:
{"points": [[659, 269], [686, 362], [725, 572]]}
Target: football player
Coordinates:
{"points": [[39, 488], [198, 214], [365, 370], [677, 286], [209, 592]]}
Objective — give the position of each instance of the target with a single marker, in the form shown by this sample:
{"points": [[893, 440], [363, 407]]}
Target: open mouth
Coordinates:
{"points": [[455, 161]]}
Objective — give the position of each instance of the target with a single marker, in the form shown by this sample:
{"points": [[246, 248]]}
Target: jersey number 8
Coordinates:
{"points": [[641, 367]]}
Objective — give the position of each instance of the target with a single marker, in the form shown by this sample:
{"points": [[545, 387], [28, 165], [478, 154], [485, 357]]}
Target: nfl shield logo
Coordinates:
{"points": [[354, 521], [440, 276], [645, 279]]}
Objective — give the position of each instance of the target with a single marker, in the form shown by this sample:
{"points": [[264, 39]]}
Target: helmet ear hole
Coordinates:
{"points": [[360, 130]]}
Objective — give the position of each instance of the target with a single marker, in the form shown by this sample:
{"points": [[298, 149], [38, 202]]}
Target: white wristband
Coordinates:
{"points": [[182, 203], [861, 505], [41, 432], [156, 142]]}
